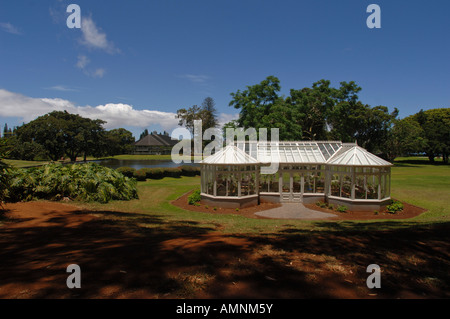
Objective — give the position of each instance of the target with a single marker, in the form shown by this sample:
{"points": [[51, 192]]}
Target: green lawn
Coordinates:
{"points": [[423, 185], [20, 163]]}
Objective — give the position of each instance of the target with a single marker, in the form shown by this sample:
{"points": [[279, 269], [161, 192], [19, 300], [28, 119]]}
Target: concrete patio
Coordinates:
{"points": [[294, 211]]}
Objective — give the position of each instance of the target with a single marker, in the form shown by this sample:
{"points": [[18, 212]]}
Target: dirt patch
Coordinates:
{"points": [[409, 211]]}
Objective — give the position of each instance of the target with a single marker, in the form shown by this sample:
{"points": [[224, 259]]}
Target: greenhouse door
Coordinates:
{"points": [[291, 187]]}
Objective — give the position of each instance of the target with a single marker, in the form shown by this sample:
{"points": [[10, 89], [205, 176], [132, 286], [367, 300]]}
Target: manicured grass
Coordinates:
{"points": [[423, 185], [414, 180], [20, 163]]}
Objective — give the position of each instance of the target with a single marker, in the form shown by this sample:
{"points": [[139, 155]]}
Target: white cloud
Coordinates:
{"points": [[98, 73], [116, 114], [8, 27], [225, 118], [62, 88], [94, 38], [195, 78], [82, 64]]}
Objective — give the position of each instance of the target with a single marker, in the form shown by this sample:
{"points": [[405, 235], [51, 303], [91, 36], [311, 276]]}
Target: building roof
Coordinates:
{"points": [[230, 155], [156, 140], [358, 156], [292, 152], [301, 152]]}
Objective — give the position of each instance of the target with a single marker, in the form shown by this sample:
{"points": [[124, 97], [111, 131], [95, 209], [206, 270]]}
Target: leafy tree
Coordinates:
{"points": [[256, 102], [188, 116], [405, 137], [209, 119], [119, 141], [61, 133], [27, 151], [435, 124], [313, 106]]}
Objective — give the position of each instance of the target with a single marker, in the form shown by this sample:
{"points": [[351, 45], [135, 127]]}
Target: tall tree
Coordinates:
{"points": [[209, 119], [436, 127], [119, 141], [62, 133], [313, 106]]}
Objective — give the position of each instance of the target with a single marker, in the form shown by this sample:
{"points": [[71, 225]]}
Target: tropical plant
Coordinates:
{"points": [[341, 209], [4, 172], [86, 182], [394, 207], [194, 198]]}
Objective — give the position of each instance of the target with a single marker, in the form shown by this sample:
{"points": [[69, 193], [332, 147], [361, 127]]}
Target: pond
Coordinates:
{"points": [[137, 164]]}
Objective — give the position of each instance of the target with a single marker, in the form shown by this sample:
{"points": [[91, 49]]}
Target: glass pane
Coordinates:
{"points": [[264, 183], [297, 183], [252, 184], [221, 184], [372, 186], [346, 190], [335, 185], [286, 182], [309, 182], [320, 182], [360, 190], [274, 184], [232, 185]]}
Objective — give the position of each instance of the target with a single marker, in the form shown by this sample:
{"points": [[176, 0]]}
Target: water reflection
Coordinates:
{"points": [[137, 164]]}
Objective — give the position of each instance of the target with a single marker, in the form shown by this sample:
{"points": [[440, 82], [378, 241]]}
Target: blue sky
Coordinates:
{"points": [[134, 63]]}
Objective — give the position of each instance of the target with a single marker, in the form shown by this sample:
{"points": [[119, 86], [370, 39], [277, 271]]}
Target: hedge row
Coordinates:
{"points": [[158, 173]]}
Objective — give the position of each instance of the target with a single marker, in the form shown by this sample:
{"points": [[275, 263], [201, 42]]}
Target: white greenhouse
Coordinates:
{"points": [[335, 172]]}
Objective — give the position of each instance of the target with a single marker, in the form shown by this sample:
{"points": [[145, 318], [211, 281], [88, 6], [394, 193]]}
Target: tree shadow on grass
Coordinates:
{"points": [[132, 255], [118, 253], [414, 259]]}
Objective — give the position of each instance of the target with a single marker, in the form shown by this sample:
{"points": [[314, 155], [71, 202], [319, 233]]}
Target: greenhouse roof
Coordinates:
{"points": [[292, 152], [310, 152], [358, 156], [230, 155]]}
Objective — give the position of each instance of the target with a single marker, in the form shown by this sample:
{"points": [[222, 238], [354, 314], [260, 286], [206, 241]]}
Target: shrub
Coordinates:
{"points": [[194, 198], [4, 182], [341, 209], [321, 204], [127, 171], [394, 207], [172, 172], [187, 170], [87, 182], [140, 175], [154, 173]]}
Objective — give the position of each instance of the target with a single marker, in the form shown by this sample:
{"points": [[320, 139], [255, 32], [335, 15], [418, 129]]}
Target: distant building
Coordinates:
{"points": [[154, 144]]}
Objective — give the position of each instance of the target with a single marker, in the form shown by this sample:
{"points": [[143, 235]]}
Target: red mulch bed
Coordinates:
{"points": [[409, 211], [182, 202]]}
